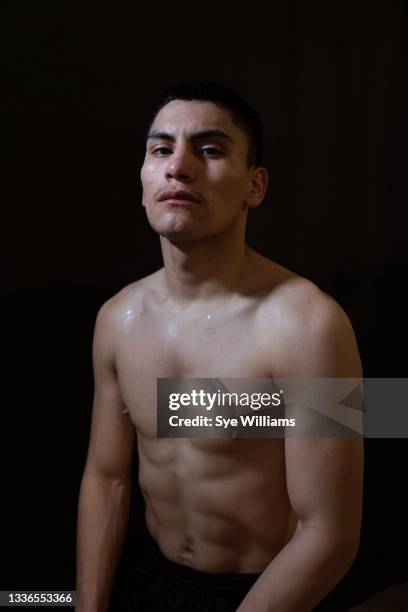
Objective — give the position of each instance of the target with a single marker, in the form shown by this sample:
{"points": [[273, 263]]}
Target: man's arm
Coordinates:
{"points": [[105, 489], [324, 479]]}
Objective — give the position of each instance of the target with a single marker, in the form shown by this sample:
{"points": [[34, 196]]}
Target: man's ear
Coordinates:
{"points": [[258, 184]]}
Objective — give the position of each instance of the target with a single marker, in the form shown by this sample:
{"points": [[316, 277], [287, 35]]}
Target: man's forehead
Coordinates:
{"points": [[183, 116]]}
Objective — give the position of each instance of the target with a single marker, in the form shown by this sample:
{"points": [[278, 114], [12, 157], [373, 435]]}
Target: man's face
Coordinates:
{"points": [[195, 151]]}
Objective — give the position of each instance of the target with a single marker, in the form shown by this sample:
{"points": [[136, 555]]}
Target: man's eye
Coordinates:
{"points": [[211, 151], [160, 151]]}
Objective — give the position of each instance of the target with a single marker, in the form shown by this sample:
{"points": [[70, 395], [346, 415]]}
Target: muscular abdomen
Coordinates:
{"points": [[217, 505]]}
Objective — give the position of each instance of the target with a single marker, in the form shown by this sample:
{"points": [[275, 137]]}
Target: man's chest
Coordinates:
{"points": [[199, 349]]}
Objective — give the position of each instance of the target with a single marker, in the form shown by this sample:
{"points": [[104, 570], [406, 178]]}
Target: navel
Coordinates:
{"points": [[188, 545]]}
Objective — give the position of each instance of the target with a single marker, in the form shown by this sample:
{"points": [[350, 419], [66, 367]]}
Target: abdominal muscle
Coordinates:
{"points": [[216, 505]]}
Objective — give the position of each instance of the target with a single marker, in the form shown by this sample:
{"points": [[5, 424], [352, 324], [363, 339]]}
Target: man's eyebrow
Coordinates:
{"points": [[159, 136], [211, 133]]}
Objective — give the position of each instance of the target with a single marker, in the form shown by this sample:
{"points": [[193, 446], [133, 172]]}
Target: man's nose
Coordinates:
{"points": [[181, 165]]}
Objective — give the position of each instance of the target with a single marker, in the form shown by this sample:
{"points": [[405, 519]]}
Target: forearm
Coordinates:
{"points": [[299, 577], [102, 521]]}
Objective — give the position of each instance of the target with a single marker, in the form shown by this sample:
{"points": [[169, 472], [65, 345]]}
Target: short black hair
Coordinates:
{"points": [[243, 115]]}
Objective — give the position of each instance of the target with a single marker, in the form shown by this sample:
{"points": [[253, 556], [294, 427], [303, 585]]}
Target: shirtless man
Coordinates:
{"points": [[285, 512]]}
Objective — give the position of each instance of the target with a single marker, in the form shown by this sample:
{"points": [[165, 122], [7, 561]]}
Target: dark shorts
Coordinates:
{"points": [[152, 583]]}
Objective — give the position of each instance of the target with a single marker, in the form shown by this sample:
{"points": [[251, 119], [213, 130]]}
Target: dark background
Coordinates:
{"points": [[327, 81]]}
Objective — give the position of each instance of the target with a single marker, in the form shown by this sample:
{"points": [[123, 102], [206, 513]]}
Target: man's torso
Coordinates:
{"points": [[217, 505]]}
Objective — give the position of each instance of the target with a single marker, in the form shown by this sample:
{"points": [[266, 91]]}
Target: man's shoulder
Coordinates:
{"points": [[282, 288], [299, 305], [304, 300], [307, 331], [128, 302]]}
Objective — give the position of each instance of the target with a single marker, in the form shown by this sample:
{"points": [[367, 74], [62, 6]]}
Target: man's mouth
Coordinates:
{"points": [[179, 197]]}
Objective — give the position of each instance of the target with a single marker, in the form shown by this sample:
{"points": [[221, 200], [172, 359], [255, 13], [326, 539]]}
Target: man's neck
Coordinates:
{"points": [[204, 271]]}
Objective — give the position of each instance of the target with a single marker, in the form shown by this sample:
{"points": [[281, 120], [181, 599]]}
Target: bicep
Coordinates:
{"points": [[325, 474], [112, 432], [324, 481]]}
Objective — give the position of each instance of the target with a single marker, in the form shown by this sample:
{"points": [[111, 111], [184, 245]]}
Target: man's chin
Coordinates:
{"points": [[178, 237], [174, 232]]}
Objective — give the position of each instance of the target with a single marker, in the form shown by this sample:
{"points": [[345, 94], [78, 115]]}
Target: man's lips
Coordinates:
{"points": [[179, 196]]}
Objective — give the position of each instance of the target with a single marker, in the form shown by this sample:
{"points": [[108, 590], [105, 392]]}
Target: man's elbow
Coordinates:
{"points": [[100, 483], [350, 548], [339, 547], [109, 472], [342, 551]]}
